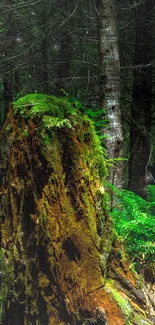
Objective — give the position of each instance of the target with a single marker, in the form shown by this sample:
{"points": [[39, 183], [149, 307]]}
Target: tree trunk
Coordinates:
{"points": [[56, 236], [44, 66], [64, 64], [8, 96], [110, 85], [141, 98], [17, 86]]}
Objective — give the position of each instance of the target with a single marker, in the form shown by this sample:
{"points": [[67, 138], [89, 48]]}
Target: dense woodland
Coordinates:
{"points": [[77, 162], [100, 53]]}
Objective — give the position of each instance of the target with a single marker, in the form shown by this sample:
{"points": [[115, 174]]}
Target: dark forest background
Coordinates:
{"points": [[100, 53], [74, 211]]}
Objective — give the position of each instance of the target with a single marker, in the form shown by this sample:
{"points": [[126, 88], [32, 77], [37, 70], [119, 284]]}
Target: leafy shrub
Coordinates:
{"points": [[134, 220]]}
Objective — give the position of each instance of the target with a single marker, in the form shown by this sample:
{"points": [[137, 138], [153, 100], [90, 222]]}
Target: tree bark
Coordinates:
{"points": [[53, 226], [17, 86], [8, 96], [110, 85], [64, 64], [141, 99], [56, 236]]}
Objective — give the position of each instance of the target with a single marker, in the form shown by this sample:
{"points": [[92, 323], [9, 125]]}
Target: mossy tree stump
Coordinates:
{"points": [[56, 236]]}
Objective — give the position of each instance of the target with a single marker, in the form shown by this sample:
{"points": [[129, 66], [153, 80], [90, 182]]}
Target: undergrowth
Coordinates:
{"points": [[96, 115], [134, 220]]}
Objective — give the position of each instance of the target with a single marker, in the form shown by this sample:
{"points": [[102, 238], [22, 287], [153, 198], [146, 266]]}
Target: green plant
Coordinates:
{"points": [[135, 223], [38, 105], [96, 115], [51, 113], [49, 122], [120, 299]]}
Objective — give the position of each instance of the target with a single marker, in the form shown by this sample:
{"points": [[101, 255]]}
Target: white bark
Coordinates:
{"points": [[110, 84]]}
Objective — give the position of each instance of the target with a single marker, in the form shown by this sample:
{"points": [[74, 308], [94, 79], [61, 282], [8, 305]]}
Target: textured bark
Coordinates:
{"points": [[56, 237], [110, 84], [7, 97], [141, 98], [53, 226]]}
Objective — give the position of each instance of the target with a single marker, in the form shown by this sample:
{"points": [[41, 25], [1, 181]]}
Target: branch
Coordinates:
{"points": [[21, 5]]}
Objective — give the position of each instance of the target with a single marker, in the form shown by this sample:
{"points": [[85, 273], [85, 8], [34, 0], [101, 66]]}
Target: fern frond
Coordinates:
{"points": [[134, 221]]}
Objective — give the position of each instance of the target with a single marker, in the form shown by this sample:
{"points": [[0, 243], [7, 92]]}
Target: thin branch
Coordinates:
{"points": [[135, 5], [21, 5]]}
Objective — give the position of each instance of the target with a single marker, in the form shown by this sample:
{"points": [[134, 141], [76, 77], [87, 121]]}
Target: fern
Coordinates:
{"points": [[49, 122], [135, 222], [151, 193], [55, 111], [96, 115]]}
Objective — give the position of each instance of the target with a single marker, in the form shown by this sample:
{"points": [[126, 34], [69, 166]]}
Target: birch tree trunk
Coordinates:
{"points": [[110, 84]]}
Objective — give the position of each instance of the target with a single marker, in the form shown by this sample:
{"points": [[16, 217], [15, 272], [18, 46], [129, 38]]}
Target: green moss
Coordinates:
{"points": [[38, 105], [52, 113], [97, 153], [8, 127], [121, 301], [140, 320], [131, 315]]}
